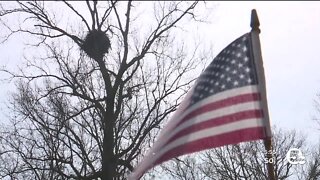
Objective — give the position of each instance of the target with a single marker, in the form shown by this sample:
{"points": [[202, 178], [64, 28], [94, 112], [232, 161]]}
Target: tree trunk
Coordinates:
{"points": [[108, 161], [108, 157]]}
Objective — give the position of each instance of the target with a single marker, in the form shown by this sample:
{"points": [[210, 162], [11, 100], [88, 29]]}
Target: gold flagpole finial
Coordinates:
{"points": [[254, 21]]}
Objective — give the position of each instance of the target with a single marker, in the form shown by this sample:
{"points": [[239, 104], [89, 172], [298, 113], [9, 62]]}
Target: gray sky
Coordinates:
{"points": [[290, 34]]}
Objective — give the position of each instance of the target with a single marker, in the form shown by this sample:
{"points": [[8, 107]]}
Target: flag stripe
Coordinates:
{"points": [[212, 122], [247, 134], [214, 98], [210, 132], [217, 97], [222, 103], [206, 133], [247, 96], [215, 113]]}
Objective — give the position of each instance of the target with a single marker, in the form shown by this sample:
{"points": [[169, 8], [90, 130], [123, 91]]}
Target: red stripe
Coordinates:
{"points": [[217, 121], [222, 103], [234, 137]]}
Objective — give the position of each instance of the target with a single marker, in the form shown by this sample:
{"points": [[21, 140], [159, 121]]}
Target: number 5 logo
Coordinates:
{"points": [[295, 156]]}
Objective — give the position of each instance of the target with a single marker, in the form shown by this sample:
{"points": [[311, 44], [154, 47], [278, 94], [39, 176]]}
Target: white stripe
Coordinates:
{"points": [[209, 132], [214, 131], [216, 114], [220, 96]]}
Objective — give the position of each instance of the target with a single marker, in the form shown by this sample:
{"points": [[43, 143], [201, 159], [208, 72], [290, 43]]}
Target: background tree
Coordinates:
{"points": [[311, 170], [183, 168], [79, 113]]}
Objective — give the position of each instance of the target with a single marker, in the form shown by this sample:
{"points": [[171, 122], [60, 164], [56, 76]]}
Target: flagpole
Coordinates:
{"points": [[255, 31]]}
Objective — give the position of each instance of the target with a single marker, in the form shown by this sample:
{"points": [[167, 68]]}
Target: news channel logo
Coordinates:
{"points": [[294, 156]]}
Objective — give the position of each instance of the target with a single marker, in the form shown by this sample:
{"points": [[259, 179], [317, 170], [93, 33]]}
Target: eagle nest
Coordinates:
{"points": [[96, 44]]}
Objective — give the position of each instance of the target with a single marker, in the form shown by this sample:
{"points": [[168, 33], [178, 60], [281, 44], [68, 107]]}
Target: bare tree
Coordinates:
{"points": [[311, 170], [93, 101], [242, 161], [184, 168], [316, 103]]}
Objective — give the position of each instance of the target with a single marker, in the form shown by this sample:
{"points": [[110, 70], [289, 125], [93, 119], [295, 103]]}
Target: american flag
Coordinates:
{"points": [[223, 107]]}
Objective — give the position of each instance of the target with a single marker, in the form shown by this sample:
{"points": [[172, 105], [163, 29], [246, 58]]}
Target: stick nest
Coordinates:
{"points": [[96, 44]]}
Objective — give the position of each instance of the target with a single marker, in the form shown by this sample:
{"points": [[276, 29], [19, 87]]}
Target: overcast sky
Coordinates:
{"points": [[290, 36]]}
